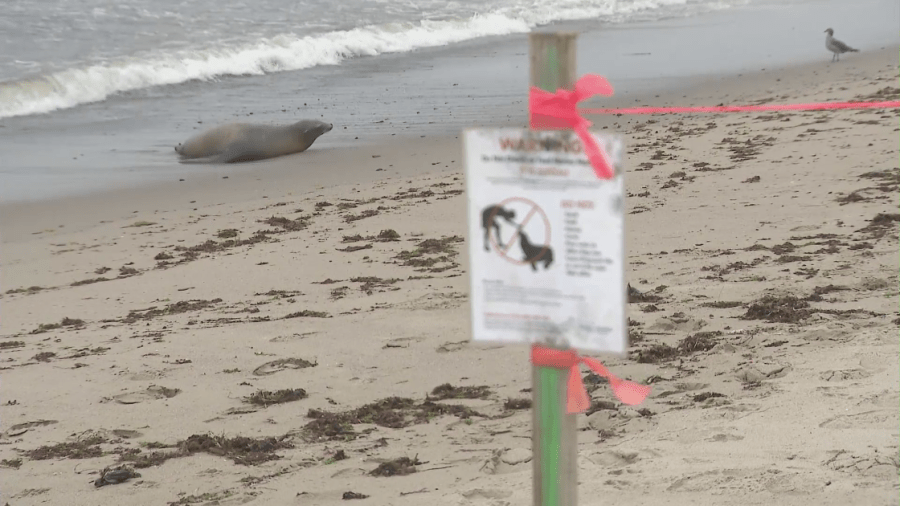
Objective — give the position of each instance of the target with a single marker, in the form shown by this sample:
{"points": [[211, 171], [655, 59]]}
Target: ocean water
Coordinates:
{"points": [[59, 54], [94, 94]]}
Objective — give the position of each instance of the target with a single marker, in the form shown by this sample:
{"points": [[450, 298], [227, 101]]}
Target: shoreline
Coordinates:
{"points": [[435, 92], [309, 171]]}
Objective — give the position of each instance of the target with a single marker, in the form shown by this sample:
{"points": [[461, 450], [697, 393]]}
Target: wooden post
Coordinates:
{"points": [[554, 432]]}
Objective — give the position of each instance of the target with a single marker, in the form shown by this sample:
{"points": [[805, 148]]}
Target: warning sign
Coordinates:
{"points": [[546, 240]]}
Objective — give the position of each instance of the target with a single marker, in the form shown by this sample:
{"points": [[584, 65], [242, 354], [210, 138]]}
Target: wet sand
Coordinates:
{"points": [[290, 335]]}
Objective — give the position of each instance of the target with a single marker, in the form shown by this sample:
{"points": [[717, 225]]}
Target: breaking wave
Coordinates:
{"points": [[74, 86]]}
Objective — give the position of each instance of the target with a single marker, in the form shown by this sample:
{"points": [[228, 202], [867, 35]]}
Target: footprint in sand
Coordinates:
{"points": [[402, 342], [724, 438], [875, 419], [489, 494], [152, 393], [127, 433], [614, 459], [21, 428], [733, 479], [451, 347], [883, 464], [507, 461], [687, 324], [292, 337], [844, 375]]}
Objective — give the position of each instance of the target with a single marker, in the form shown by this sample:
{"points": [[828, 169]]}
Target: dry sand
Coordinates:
{"points": [[765, 244]]}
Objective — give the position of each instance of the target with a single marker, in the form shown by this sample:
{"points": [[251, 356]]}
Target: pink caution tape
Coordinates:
{"points": [[577, 399], [748, 108], [555, 111]]}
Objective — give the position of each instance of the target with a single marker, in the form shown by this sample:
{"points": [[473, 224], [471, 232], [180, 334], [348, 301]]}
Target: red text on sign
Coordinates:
{"points": [[577, 204]]}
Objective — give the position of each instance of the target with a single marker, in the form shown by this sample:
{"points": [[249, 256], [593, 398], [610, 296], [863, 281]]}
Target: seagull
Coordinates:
{"points": [[837, 47]]}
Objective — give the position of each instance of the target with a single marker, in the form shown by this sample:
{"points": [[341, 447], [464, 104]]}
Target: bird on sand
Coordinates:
{"points": [[837, 47]]}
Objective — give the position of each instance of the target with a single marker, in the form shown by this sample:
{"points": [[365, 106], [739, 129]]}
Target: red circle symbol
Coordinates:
{"points": [[534, 209]]}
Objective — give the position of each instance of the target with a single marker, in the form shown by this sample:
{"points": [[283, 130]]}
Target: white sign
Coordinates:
{"points": [[546, 240]]}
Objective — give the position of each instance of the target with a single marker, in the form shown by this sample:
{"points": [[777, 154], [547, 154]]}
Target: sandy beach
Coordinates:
{"points": [[303, 338]]}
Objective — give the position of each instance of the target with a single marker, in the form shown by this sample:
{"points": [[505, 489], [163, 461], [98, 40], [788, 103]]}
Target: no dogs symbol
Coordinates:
{"points": [[524, 222]]}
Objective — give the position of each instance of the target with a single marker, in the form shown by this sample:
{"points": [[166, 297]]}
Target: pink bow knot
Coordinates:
{"points": [[577, 399], [555, 111]]}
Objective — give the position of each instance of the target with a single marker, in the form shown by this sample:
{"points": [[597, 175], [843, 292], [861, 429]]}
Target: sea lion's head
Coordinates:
{"points": [[311, 129]]}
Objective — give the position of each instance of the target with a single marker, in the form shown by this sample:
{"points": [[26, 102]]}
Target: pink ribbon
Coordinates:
{"points": [[559, 110], [577, 399], [556, 111], [748, 108]]}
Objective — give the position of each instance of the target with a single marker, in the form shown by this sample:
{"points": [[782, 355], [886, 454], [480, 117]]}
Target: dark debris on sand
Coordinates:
{"points": [[11, 463], [86, 448], [193, 252], [792, 309], [660, 352], [819, 291], [388, 235], [442, 246], [778, 309], [722, 304], [44, 356], [593, 381], [422, 256], [266, 398], [183, 306], [279, 294], [351, 249], [706, 395], [286, 224], [368, 213], [227, 233], [513, 404], [65, 322], [635, 295], [397, 467], [448, 391], [744, 150], [29, 290], [701, 341], [282, 364], [89, 281], [883, 95], [880, 225], [371, 283], [241, 450], [306, 313], [116, 475], [391, 412]]}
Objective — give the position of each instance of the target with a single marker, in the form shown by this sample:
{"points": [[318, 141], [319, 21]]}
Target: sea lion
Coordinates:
{"points": [[244, 142]]}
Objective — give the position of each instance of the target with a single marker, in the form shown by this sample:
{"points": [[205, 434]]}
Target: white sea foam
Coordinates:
{"points": [[74, 86]]}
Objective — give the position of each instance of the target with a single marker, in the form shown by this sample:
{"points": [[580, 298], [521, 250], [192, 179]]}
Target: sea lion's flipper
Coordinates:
{"points": [[196, 160], [250, 150], [238, 156]]}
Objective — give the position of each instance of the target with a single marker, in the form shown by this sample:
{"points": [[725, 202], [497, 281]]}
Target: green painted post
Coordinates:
{"points": [[554, 433]]}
